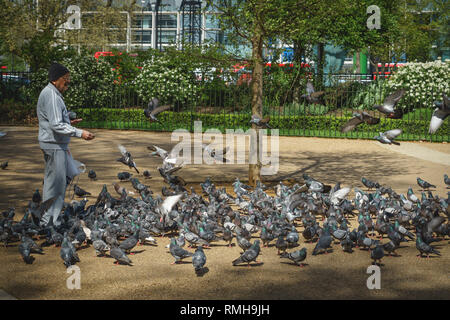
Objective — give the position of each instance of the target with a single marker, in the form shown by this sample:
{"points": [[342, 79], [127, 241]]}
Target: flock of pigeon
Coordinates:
{"points": [[114, 225], [439, 115]]}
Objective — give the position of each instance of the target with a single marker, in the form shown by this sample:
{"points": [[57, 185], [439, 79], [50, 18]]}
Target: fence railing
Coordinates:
{"points": [[226, 104]]}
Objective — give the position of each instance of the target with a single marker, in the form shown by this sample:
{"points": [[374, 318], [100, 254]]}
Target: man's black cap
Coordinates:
{"points": [[56, 71]]}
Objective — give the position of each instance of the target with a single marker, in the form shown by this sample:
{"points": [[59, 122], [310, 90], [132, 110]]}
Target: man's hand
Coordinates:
{"points": [[86, 135], [75, 121]]}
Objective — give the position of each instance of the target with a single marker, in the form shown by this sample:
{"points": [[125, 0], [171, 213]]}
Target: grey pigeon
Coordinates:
{"points": [[377, 253], [130, 242], [249, 255], [390, 247], [177, 252], [25, 252], [424, 184], [124, 176], [92, 175], [323, 243], [296, 256], [79, 191], [126, 158], [153, 109], [100, 247], [439, 114], [357, 119], [447, 180], [281, 244], [425, 248], [389, 103], [199, 260], [389, 136], [119, 255], [260, 122], [347, 244], [312, 96]]}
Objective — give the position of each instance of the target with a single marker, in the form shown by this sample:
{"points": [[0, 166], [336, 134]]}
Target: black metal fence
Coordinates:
{"points": [[224, 102]]}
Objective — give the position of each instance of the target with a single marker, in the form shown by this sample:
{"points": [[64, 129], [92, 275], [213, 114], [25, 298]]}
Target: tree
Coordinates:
{"points": [[250, 22], [34, 30]]}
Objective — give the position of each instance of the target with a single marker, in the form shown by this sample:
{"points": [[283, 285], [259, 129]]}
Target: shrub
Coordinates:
{"points": [[168, 81], [424, 82]]}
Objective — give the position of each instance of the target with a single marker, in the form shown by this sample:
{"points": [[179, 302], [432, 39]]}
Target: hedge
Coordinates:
{"points": [[328, 125]]}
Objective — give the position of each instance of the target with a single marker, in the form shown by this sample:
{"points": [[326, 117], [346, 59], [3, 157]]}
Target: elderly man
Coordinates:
{"points": [[55, 130]]}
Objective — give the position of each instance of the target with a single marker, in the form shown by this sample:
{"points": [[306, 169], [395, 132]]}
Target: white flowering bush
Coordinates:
{"points": [[165, 80], [424, 82], [92, 82]]}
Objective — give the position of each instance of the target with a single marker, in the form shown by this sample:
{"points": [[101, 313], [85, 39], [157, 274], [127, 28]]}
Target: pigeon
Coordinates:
{"points": [[262, 123], [198, 260], [243, 243], [447, 180], [3, 165], [177, 252], [72, 115], [25, 252], [389, 136], [119, 255], [249, 255], [347, 244], [357, 119], [147, 174], [292, 237], [312, 96], [68, 252], [130, 242], [124, 176], [411, 196], [424, 184], [389, 104], [323, 243], [92, 175], [2, 134], [370, 184], [425, 248], [79, 191], [217, 154], [153, 109], [390, 247], [296, 256], [377, 253], [439, 114], [228, 236], [281, 244], [100, 247], [36, 198], [126, 158]]}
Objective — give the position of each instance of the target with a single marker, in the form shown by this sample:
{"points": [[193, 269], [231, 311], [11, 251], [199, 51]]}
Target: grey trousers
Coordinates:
{"points": [[55, 185]]}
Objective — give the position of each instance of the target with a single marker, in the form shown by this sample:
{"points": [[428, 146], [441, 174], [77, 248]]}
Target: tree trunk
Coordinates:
{"points": [[299, 51], [320, 65], [254, 170]]}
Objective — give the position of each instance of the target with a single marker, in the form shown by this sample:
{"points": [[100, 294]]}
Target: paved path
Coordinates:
{"points": [[420, 152]]}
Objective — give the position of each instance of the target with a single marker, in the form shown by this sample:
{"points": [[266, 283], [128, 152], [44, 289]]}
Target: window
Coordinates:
{"points": [[139, 36]]}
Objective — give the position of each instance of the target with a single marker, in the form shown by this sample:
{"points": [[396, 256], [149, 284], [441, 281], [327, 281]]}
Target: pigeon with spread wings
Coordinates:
{"points": [[389, 136], [153, 109], [126, 158], [389, 103], [440, 113], [263, 123], [313, 96], [357, 119]]}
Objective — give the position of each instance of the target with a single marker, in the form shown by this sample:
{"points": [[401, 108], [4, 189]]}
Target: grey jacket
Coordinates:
{"points": [[54, 123]]}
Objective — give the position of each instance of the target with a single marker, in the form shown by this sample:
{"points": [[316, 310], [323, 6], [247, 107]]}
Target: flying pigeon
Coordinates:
{"points": [[263, 123], [312, 96], [153, 109], [357, 119], [126, 158], [389, 104], [439, 114], [389, 136], [296, 256], [249, 255]]}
